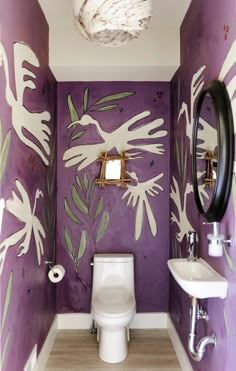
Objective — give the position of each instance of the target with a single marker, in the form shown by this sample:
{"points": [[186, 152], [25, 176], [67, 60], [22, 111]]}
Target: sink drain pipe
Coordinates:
{"points": [[197, 351]]}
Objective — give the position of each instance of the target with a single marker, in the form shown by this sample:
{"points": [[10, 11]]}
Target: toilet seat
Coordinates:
{"points": [[113, 302]]}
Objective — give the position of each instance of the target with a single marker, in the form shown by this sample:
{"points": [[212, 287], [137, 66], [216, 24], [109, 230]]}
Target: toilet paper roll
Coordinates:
{"points": [[56, 273]]}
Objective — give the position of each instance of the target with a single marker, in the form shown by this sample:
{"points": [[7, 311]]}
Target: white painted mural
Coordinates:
{"points": [[123, 140], [24, 121], [229, 63], [19, 206], [196, 86], [138, 195], [120, 139], [207, 133], [181, 219]]}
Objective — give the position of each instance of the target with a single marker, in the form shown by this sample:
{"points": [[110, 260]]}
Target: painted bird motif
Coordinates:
{"points": [[121, 139]]}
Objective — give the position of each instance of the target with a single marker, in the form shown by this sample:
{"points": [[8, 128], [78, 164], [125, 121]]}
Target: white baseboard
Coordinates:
{"points": [[47, 347], [32, 360], [178, 347], [76, 321], [149, 320]]}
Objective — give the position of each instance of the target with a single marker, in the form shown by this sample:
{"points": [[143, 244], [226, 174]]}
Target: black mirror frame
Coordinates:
{"points": [[225, 129]]}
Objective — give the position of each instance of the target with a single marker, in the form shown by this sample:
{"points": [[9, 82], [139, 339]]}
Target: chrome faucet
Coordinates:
{"points": [[192, 246]]}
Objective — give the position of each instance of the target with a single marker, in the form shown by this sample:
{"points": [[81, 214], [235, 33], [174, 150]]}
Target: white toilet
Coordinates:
{"points": [[113, 304]]}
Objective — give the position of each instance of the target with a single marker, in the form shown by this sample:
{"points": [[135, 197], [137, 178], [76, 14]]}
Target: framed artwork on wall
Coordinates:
{"points": [[113, 170]]}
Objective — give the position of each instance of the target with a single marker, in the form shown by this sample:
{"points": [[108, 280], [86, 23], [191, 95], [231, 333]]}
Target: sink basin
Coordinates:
{"points": [[198, 279]]}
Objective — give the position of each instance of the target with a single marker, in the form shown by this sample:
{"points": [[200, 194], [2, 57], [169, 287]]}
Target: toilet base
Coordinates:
{"points": [[113, 345]]}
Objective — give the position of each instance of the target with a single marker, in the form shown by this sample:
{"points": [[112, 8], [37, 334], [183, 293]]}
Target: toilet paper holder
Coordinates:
{"points": [[56, 272], [49, 263]]}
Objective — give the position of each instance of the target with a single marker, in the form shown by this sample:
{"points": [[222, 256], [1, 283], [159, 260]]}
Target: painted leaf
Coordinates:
{"points": [[185, 168], [77, 135], [1, 134], [178, 157], [45, 223], [182, 154], [226, 323], [49, 217], [92, 190], [78, 201], [4, 350], [86, 181], [74, 116], [174, 253], [49, 214], [82, 245], [78, 181], [103, 226], [52, 219], [4, 153], [7, 299], [51, 179], [48, 183], [52, 156], [54, 250], [115, 96], [229, 260], [99, 207], [69, 243], [107, 108], [70, 213], [85, 99]]}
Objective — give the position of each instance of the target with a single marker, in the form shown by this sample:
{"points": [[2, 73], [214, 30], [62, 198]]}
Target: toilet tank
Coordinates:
{"points": [[113, 270]]}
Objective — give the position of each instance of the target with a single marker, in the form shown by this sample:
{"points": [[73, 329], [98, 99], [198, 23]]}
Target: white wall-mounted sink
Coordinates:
{"points": [[198, 279]]}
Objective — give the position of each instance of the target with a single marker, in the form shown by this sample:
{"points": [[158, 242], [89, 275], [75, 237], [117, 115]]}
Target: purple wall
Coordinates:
{"points": [[27, 296], [91, 219], [76, 226], [207, 35]]}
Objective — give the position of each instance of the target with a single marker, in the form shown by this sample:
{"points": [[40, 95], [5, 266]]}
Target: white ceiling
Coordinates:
{"points": [[154, 56]]}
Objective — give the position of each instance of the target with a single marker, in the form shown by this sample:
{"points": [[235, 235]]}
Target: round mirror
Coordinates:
{"points": [[213, 151]]}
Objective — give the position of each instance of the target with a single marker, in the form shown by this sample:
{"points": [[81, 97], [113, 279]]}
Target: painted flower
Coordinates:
{"points": [[20, 207]]}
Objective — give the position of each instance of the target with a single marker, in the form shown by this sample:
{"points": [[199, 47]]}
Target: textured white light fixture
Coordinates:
{"points": [[112, 22]]}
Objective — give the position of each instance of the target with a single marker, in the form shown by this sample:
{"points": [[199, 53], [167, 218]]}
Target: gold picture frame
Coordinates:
{"points": [[121, 180]]}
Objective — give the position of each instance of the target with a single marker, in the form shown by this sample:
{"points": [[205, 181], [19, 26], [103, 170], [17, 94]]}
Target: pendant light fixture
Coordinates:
{"points": [[111, 22]]}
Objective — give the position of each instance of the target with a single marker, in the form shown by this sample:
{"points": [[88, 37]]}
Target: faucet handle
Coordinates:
{"points": [[192, 236], [192, 245]]}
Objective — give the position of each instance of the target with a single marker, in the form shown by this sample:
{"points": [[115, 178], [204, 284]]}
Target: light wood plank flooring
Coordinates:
{"points": [[75, 350]]}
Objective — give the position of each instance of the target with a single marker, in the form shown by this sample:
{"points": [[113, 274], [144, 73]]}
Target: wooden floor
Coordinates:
{"points": [[75, 350]]}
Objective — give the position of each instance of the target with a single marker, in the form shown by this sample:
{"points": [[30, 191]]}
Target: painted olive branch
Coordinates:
{"points": [[97, 106], [4, 150], [79, 211], [80, 252], [4, 316]]}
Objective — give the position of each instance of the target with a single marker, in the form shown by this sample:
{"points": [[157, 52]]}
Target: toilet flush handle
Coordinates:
{"points": [[91, 264]]}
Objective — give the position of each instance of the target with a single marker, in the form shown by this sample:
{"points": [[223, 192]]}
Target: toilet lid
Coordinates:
{"points": [[113, 302]]}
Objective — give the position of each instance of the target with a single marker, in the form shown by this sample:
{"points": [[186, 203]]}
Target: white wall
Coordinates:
{"points": [[154, 56]]}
